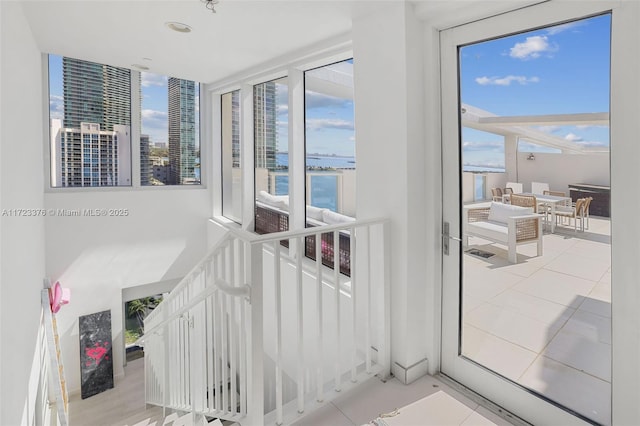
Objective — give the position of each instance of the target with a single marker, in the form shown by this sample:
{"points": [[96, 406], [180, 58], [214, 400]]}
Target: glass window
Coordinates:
{"points": [[170, 136], [330, 156], [231, 161], [90, 114], [330, 140], [90, 108], [271, 147], [528, 103]]}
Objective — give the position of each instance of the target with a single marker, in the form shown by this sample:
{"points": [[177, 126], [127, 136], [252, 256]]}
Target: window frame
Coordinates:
{"points": [[135, 132], [292, 68]]}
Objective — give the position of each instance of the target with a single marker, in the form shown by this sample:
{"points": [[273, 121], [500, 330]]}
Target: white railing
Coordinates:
{"points": [[259, 334]]}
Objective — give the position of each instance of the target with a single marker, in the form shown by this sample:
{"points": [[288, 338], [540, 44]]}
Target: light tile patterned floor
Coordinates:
{"points": [[436, 402], [545, 322], [124, 405]]}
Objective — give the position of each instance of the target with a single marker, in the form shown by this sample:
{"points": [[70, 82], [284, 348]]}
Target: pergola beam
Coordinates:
{"points": [[589, 118]]}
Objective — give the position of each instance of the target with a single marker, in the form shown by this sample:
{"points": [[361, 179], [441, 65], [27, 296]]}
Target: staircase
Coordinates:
{"points": [[174, 419], [258, 333]]}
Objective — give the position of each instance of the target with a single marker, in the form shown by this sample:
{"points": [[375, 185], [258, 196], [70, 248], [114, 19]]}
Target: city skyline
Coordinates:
{"points": [[153, 109], [91, 145], [101, 94]]}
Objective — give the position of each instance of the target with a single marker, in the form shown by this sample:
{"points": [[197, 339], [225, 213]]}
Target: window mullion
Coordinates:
{"points": [[247, 156], [297, 192], [136, 125]]}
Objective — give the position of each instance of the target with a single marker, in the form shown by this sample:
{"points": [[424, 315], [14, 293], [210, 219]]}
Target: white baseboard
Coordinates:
{"points": [[410, 374]]}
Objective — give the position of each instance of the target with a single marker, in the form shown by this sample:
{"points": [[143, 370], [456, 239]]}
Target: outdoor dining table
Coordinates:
{"points": [[550, 200]]}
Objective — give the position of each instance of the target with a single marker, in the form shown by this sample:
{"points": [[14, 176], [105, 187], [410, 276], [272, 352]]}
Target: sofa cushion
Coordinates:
{"points": [[330, 217], [315, 213], [278, 201], [495, 231], [499, 212]]}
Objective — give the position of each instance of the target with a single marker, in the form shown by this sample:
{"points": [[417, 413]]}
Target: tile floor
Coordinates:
{"points": [[444, 405], [545, 322]]}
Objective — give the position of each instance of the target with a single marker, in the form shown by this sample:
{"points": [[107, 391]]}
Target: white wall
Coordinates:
{"points": [[161, 238], [391, 180], [22, 238], [561, 170]]}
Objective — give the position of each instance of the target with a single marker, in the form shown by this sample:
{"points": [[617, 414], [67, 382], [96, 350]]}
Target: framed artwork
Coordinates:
{"points": [[96, 360]]}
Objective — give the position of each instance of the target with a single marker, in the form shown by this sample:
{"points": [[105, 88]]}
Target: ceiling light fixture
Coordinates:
{"points": [[178, 26], [211, 4]]}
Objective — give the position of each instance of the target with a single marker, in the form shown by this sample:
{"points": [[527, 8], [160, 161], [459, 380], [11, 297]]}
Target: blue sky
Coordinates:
{"points": [[560, 69]]}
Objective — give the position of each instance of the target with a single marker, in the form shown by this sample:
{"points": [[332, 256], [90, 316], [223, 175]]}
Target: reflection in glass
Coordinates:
{"points": [[330, 157], [271, 147], [231, 161], [330, 139], [530, 312]]}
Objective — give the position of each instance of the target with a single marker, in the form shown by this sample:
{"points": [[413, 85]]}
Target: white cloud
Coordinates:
{"points": [[483, 146], [492, 164], [573, 137], [155, 124], [329, 123], [318, 100], [564, 27], [506, 81], [532, 48], [56, 106], [148, 79], [153, 115], [282, 109]]}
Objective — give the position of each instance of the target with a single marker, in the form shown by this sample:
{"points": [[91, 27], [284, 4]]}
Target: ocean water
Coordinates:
{"points": [[323, 188]]}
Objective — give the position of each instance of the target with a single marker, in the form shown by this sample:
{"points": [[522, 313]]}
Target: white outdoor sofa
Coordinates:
{"points": [[272, 215], [504, 224]]}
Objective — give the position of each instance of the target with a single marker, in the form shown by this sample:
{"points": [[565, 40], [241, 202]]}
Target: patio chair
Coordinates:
{"points": [[496, 193], [507, 191], [524, 201], [586, 210], [574, 212], [516, 187], [539, 188]]}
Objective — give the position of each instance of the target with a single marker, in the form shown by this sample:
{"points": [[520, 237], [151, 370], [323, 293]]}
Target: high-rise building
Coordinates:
{"points": [[89, 156], [95, 93], [146, 172], [182, 131], [92, 146], [264, 116]]}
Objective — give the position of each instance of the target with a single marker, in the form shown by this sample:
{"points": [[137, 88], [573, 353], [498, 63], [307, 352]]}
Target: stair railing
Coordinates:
{"points": [[259, 334]]}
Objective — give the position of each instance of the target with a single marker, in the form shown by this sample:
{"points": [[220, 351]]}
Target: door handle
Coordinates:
{"points": [[446, 237]]}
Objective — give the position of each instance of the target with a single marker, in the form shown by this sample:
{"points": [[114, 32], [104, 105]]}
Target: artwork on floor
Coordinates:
{"points": [[96, 360]]}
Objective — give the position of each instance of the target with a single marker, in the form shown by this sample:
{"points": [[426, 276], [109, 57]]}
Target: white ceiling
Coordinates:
{"points": [[242, 34]]}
